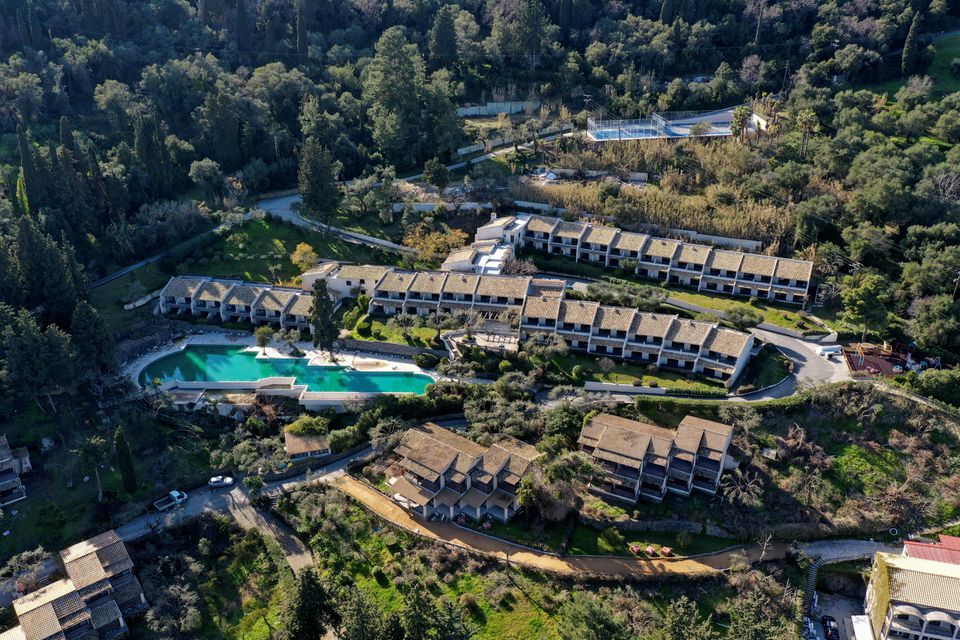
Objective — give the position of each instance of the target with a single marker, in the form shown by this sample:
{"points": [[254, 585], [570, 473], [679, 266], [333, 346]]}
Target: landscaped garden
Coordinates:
{"points": [[590, 541], [579, 368], [379, 327], [768, 368], [780, 315]]}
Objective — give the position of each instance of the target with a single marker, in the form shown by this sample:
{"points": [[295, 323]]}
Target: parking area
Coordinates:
{"points": [[841, 608]]}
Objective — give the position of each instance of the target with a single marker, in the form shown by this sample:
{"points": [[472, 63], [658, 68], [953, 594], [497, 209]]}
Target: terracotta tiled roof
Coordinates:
{"points": [[614, 318], [461, 283], [540, 224], [546, 287], [213, 290], [301, 305], [923, 583], [507, 286], [727, 341], [630, 241], [655, 325], [724, 260], [689, 332], [759, 265], [273, 299], [541, 307], [297, 444], [396, 281], [600, 235], [695, 253], [578, 312], [180, 287], [569, 229], [795, 269], [242, 294], [323, 269], [946, 550], [428, 282], [366, 272], [661, 247], [91, 560]]}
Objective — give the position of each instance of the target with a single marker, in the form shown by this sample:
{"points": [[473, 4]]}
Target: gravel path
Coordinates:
{"points": [[611, 567]]}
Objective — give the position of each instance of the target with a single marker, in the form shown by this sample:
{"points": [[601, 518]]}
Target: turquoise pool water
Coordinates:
{"points": [[219, 363]]}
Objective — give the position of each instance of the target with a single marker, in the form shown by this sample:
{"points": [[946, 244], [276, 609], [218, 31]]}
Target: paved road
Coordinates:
{"points": [[283, 206], [133, 267], [234, 502]]}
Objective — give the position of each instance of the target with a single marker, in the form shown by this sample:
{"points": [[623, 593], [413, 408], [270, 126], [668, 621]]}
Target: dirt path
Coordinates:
{"points": [[297, 554], [602, 566]]}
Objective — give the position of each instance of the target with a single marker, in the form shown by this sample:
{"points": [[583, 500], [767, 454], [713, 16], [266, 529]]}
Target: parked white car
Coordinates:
{"points": [[217, 482], [828, 351]]}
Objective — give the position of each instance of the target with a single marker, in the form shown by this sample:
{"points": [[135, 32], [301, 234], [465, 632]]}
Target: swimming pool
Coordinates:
{"points": [[230, 363]]}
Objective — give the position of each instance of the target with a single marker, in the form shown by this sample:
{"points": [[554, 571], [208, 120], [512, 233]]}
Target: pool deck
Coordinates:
{"points": [[310, 399]]}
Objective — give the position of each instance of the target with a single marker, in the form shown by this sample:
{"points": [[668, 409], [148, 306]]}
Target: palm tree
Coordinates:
{"points": [[91, 453], [807, 123]]}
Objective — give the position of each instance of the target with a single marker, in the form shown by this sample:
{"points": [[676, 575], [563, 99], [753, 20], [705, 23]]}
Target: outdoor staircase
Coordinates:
{"points": [[811, 586]]}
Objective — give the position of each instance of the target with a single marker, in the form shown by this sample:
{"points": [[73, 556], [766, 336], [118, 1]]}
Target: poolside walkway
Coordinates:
{"points": [[571, 565]]}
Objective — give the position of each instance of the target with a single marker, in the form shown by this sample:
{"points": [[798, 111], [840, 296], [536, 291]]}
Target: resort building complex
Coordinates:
{"points": [[642, 460], [693, 265], [540, 304], [916, 594], [440, 472], [237, 301], [13, 462], [90, 603]]}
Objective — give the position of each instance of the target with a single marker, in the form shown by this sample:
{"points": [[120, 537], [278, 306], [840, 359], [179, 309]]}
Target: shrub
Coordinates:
{"points": [[426, 360], [940, 384], [611, 539], [577, 372], [505, 366], [468, 601], [683, 540], [364, 327]]}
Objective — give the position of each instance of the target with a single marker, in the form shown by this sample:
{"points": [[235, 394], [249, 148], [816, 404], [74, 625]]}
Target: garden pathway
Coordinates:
{"points": [[607, 566]]}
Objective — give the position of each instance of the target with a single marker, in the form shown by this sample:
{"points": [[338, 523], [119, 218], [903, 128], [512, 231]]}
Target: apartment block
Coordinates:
{"points": [[441, 472], [92, 602], [13, 463], [642, 460], [915, 595], [236, 301], [660, 259]]}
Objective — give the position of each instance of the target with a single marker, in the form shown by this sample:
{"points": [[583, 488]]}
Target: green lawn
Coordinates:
{"points": [[589, 541], [767, 369], [624, 373], [781, 315], [56, 514], [537, 536], [257, 251], [370, 225], [947, 48], [381, 330], [788, 317]]}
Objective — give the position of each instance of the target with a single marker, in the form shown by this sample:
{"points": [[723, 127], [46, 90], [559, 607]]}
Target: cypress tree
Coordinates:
{"points": [[125, 461], [324, 332], [908, 60], [308, 610], [667, 10], [29, 173], [318, 181], [242, 26], [93, 342], [303, 32], [443, 37], [36, 33], [23, 32]]}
